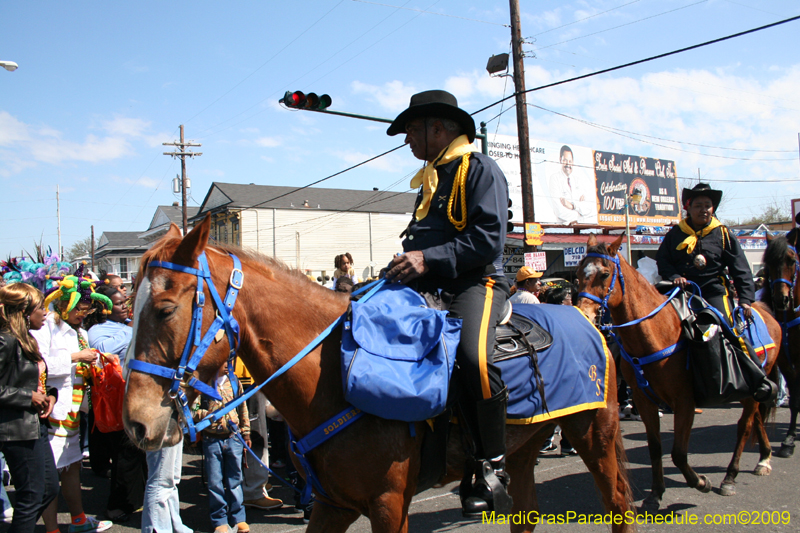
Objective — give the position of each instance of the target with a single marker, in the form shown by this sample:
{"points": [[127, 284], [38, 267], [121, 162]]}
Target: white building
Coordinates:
{"points": [[308, 228]]}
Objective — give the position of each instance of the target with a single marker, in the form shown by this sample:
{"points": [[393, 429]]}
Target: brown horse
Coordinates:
{"points": [[371, 467], [782, 294], [670, 377]]}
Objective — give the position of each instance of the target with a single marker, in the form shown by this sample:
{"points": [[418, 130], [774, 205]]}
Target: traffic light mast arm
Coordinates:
{"points": [[481, 135]]}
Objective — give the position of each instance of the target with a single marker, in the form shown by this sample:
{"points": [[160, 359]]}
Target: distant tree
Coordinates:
{"points": [[81, 248], [774, 212]]}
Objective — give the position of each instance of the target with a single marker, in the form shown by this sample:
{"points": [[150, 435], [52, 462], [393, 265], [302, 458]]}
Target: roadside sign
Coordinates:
{"points": [[573, 255], [537, 260]]}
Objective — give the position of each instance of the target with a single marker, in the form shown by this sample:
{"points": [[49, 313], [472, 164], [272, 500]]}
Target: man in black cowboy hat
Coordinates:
{"points": [[455, 243], [700, 248]]}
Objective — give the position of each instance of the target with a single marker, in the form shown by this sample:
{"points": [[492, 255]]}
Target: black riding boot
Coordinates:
{"points": [[489, 492]]}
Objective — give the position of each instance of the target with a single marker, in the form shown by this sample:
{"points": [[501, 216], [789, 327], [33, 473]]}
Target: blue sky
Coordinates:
{"points": [[101, 85]]}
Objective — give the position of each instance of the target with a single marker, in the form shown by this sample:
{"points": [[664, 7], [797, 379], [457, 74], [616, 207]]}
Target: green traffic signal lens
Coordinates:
{"points": [[324, 102]]}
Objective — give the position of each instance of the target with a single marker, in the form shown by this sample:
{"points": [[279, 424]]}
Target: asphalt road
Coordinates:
{"points": [[564, 485]]}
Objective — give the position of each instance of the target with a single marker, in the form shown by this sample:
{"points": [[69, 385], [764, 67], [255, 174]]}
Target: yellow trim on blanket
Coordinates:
{"points": [[760, 350], [575, 408]]}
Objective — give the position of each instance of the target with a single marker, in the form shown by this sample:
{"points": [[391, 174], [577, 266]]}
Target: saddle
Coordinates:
{"points": [[725, 367]]}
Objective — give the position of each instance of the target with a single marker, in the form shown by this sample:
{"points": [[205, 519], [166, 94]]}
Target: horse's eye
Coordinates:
{"points": [[165, 313], [604, 275]]}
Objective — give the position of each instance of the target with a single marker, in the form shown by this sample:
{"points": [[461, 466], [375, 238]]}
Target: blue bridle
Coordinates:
{"points": [[605, 325], [787, 324], [183, 376]]}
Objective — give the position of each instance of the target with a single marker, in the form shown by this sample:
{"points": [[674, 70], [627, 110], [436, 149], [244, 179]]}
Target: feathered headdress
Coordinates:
{"points": [[76, 288]]}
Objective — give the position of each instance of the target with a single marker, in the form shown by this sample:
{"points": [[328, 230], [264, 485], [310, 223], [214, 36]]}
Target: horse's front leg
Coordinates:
{"points": [[652, 426], [793, 383], [743, 427], [326, 518], [684, 419], [389, 513], [763, 468]]}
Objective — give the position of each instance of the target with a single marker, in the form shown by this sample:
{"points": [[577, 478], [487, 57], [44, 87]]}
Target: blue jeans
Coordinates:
{"points": [[4, 501], [223, 459], [35, 478], [162, 508]]}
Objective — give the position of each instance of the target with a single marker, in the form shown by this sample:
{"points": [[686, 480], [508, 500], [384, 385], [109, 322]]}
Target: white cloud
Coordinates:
{"points": [[268, 142], [144, 181], [392, 96]]}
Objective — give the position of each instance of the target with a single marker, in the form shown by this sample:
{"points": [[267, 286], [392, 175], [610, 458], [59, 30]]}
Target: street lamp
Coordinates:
{"points": [[9, 65], [635, 198]]}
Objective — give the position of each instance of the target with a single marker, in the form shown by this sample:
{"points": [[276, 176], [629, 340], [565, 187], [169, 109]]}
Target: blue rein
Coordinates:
{"points": [[636, 362]]}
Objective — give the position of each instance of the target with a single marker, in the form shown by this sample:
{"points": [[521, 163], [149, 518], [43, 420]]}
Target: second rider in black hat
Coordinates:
{"points": [[455, 243]]}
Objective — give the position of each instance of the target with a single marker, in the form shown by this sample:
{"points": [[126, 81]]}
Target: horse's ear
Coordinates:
{"points": [[193, 244], [592, 240], [613, 248], [174, 231], [769, 237]]}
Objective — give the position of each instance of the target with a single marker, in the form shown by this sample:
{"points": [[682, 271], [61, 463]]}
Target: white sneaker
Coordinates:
{"points": [[8, 515]]}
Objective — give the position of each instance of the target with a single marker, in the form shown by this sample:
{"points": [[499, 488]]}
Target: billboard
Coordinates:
{"points": [[651, 183], [573, 184]]}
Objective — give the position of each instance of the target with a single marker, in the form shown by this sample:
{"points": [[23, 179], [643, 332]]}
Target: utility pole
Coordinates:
{"points": [[58, 214], [91, 254], [183, 154], [522, 119]]}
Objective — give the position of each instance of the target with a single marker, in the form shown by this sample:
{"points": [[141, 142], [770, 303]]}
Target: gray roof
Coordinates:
{"points": [[236, 195], [121, 241], [175, 213]]}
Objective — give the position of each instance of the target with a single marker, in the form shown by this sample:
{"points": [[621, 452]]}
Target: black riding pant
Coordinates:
{"points": [[478, 302]]}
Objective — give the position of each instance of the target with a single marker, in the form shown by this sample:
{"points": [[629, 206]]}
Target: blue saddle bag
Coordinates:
{"points": [[398, 355]]}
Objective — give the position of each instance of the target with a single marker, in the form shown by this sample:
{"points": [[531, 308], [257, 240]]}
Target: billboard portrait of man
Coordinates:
{"points": [[572, 194]]}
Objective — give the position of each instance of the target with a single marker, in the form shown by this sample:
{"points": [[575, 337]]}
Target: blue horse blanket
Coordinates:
{"points": [[758, 335], [575, 367]]}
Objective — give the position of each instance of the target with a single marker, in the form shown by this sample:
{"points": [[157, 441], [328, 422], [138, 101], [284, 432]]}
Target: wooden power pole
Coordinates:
{"points": [[183, 154], [522, 119]]}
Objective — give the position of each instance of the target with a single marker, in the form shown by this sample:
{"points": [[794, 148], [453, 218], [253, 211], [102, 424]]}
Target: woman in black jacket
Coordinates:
{"points": [[25, 405]]}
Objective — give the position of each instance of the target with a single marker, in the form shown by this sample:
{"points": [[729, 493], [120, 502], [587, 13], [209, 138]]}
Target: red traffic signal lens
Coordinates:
{"points": [[294, 99]]}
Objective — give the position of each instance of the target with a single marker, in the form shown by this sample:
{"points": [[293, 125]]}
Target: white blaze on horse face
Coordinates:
{"points": [[590, 270], [142, 297]]}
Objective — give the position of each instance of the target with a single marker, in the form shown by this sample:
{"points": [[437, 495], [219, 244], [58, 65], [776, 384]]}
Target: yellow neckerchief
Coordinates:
{"points": [[690, 241], [429, 178]]}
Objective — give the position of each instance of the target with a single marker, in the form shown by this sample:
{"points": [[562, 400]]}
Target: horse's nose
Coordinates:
{"points": [[138, 431]]}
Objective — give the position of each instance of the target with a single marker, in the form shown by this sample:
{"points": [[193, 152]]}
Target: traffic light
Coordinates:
{"points": [[509, 224], [300, 100]]}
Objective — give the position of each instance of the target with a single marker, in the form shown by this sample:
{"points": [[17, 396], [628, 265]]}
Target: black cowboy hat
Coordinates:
{"points": [[701, 189], [438, 104]]}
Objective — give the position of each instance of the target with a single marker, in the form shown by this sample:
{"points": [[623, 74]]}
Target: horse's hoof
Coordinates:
{"points": [[705, 484], [727, 489], [785, 452], [651, 503], [762, 470]]}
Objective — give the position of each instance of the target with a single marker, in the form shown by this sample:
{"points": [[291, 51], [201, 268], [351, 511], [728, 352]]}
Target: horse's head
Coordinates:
{"points": [[163, 315], [781, 262], [597, 278]]}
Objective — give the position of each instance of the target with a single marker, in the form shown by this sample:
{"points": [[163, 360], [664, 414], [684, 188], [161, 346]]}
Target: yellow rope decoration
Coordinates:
{"points": [[459, 189]]}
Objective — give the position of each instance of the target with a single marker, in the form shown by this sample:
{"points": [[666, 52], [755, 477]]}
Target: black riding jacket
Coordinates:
{"points": [[449, 253], [721, 250]]}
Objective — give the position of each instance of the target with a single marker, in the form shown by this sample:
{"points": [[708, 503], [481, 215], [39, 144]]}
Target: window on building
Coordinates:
{"points": [[123, 267]]}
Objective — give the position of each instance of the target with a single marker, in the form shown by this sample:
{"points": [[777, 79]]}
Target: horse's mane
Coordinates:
{"points": [[165, 248], [777, 250]]}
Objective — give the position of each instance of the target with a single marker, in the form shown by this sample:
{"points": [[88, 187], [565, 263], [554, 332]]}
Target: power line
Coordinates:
{"points": [[622, 133], [622, 25], [640, 61], [440, 14], [585, 18]]}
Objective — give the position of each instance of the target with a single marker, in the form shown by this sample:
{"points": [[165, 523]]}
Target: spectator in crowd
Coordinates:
{"points": [[222, 452], [114, 281], [344, 284], [64, 347], [161, 512], [344, 268], [5, 503], [25, 404], [128, 463], [528, 286]]}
